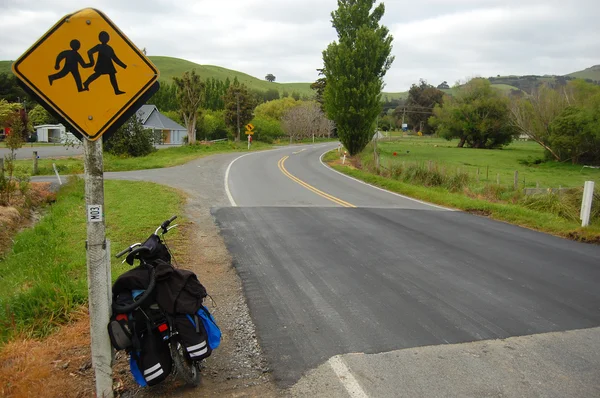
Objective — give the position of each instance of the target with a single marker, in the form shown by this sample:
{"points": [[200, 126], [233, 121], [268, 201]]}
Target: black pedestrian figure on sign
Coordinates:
{"points": [[72, 62], [104, 64]]}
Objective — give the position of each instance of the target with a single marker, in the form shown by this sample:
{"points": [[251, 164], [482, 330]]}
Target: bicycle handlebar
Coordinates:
{"points": [[164, 226], [123, 252]]}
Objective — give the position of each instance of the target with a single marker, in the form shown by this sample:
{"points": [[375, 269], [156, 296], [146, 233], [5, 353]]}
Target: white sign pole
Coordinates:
{"points": [[586, 205], [97, 264]]}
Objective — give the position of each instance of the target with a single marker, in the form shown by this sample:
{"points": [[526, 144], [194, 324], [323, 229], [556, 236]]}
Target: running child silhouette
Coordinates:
{"points": [[72, 62], [104, 64]]}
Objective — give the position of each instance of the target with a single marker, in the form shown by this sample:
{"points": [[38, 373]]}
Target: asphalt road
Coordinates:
{"points": [[44, 151], [332, 266]]}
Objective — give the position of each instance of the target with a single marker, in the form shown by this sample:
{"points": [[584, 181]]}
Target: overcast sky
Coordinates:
{"points": [[433, 39]]}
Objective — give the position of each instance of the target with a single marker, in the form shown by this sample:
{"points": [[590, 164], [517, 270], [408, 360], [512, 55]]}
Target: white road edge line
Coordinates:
{"points": [[381, 189], [233, 204], [227, 191], [346, 378]]}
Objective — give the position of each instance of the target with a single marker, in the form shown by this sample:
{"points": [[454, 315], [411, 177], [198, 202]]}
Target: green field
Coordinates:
{"points": [[519, 156], [436, 171], [44, 275]]}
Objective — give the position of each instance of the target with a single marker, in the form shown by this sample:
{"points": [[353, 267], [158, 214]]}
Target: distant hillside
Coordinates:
{"points": [[170, 67], [592, 73]]}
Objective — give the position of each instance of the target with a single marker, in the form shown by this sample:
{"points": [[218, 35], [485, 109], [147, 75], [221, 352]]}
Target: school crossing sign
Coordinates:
{"points": [[87, 72]]}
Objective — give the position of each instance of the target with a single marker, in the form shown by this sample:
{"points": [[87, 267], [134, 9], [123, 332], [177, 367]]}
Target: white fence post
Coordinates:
{"points": [[586, 205]]}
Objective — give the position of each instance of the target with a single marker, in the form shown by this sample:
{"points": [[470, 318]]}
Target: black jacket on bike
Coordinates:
{"points": [[177, 291]]}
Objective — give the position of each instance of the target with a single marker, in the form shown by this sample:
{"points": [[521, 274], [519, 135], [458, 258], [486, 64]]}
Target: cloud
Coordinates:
{"points": [[433, 39]]}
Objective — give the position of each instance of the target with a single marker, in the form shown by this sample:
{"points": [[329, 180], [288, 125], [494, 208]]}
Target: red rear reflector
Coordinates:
{"points": [[121, 317], [162, 328]]}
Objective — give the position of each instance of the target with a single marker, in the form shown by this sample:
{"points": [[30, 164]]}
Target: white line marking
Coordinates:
{"points": [[233, 204], [381, 189], [346, 378], [229, 196]]}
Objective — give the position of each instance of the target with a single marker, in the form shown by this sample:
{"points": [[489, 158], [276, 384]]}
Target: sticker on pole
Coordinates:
{"points": [[87, 71], [94, 213]]}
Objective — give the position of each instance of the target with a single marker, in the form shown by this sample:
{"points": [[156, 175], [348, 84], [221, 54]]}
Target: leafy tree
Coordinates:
{"points": [[421, 100], [271, 94], [319, 88], [38, 115], [354, 68], [444, 86], [10, 89], [215, 90], [212, 125], [478, 115], [18, 131], [131, 139], [190, 94], [165, 98], [533, 115], [239, 104], [275, 109], [296, 95], [575, 133], [7, 111], [270, 77], [267, 129]]}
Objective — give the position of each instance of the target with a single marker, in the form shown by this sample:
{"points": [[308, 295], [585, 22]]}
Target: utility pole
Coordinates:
{"points": [[238, 115], [98, 266]]}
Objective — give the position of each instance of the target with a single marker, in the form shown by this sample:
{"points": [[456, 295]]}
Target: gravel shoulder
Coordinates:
{"points": [[238, 367]]}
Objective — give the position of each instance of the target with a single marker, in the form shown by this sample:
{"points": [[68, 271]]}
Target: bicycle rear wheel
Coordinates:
{"points": [[186, 369]]}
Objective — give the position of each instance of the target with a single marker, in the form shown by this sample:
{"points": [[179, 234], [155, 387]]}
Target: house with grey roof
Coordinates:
{"points": [[166, 131]]}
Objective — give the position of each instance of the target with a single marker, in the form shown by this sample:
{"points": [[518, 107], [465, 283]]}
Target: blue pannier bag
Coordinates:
{"points": [[212, 330]]}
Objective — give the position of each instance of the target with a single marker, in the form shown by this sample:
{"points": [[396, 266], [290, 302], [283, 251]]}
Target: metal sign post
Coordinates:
{"points": [[90, 76], [249, 133]]}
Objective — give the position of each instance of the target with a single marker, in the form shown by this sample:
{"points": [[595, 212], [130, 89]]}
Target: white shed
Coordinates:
{"points": [[50, 132], [54, 133]]}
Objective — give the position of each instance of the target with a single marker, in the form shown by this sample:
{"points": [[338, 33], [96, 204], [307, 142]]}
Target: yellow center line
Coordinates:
{"points": [[335, 200]]}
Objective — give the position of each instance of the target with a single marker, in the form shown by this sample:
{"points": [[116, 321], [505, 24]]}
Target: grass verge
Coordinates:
{"points": [[43, 278], [168, 157], [544, 221]]}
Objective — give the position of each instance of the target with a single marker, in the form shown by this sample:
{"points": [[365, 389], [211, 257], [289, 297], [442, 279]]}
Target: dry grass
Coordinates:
{"points": [[58, 366]]}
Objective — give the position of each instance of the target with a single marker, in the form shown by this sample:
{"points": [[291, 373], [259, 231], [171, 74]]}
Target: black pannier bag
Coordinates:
{"points": [[192, 336], [120, 333], [154, 361]]}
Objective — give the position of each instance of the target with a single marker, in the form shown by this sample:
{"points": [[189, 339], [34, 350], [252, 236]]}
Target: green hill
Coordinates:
{"points": [[170, 67], [592, 73]]}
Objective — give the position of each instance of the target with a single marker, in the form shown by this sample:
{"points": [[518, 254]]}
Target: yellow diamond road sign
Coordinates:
{"points": [[88, 72]]}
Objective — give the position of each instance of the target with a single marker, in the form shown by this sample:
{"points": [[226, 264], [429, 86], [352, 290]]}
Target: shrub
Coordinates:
{"points": [[131, 139], [267, 130]]}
